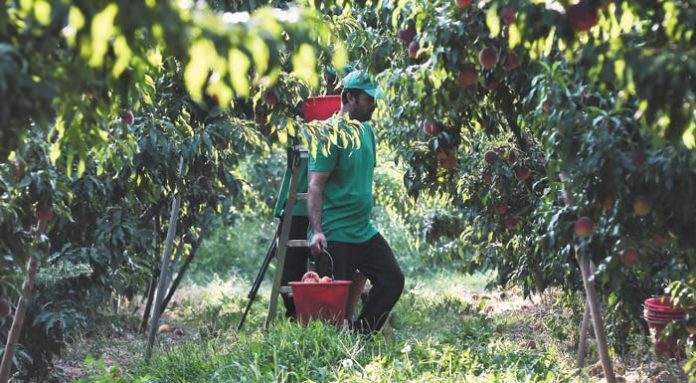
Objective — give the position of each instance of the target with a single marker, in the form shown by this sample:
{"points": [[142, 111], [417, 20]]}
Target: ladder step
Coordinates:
{"points": [[302, 196], [298, 243]]}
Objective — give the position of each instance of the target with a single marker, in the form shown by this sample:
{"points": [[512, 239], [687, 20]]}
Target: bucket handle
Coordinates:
{"points": [[324, 251]]}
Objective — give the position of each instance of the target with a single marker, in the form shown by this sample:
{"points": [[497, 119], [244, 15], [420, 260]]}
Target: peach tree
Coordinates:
{"points": [[105, 100], [509, 106]]}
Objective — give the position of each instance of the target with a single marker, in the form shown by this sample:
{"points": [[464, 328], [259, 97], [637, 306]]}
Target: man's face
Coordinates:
{"points": [[361, 107]]}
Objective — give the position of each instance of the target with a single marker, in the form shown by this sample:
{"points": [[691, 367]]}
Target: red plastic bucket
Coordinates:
{"points": [[658, 313], [321, 108], [321, 300]]}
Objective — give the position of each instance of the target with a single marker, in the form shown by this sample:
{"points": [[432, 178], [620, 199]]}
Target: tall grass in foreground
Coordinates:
{"points": [[437, 337]]}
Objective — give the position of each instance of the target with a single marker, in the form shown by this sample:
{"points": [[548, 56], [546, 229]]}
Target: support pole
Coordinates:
{"points": [[164, 270], [584, 330], [596, 315], [591, 294]]}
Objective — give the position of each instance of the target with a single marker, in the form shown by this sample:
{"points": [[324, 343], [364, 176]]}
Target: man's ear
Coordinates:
{"points": [[351, 97]]}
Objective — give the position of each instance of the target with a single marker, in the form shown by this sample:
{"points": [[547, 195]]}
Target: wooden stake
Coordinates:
{"points": [[582, 344], [184, 267], [596, 315], [164, 270], [18, 321], [591, 294]]}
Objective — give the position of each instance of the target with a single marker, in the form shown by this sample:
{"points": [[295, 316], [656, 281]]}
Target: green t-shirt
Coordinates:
{"points": [[347, 208], [300, 208]]}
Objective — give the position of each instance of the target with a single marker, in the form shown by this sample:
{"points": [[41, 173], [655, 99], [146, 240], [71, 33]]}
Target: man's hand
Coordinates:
{"points": [[318, 243]]}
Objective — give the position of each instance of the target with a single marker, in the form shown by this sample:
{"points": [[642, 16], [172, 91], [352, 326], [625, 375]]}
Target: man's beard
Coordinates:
{"points": [[361, 116]]}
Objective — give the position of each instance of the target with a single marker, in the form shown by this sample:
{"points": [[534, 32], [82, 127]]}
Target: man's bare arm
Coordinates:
{"points": [[315, 200]]}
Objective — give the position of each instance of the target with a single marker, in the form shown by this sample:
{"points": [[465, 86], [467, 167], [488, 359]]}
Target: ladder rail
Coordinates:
{"points": [[286, 222]]}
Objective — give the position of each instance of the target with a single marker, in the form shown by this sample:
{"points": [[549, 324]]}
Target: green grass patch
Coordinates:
{"points": [[436, 336]]}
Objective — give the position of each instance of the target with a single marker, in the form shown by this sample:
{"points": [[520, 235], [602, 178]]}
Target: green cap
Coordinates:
{"points": [[361, 80]]}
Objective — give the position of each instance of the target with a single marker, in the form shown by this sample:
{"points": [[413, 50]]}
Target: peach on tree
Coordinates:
{"points": [[468, 75], [488, 57], [407, 33], [583, 227], [463, 3], [490, 157]]}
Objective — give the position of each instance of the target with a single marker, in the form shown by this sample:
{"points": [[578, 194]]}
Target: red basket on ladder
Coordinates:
{"points": [[321, 108]]}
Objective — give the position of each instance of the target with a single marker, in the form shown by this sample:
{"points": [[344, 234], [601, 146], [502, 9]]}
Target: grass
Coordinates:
{"points": [[438, 334]]}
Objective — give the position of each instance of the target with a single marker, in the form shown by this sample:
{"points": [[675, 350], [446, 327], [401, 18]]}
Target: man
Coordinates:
{"points": [[340, 208], [297, 258]]}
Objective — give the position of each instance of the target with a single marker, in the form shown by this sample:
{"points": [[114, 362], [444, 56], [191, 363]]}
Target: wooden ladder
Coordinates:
{"points": [[295, 157]]}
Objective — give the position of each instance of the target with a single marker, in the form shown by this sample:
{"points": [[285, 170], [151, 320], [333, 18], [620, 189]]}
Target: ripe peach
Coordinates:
{"points": [[500, 208], [582, 17], [407, 33], [431, 128], [310, 276], [127, 117], [488, 57], [44, 213], [446, 160], [490, 157], [629, 256], [511, 62], [522, 173], [583, 227], [271, 98], [642, 206], [508, 14], [467, 75], [413, 49], [165, 329], [463, 3]]}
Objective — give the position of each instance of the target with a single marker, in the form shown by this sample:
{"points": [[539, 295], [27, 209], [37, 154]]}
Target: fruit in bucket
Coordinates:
{"points": [[310, 276], [325, 279]]}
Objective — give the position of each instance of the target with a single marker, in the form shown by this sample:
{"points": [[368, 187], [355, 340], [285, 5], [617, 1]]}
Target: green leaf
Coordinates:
{"points": [[304, 64], [76, 21], [42, 12], [239, 65], [102, 31], [493, 21], [260, 53], [123, 55], [196, 72], [514, 36]]}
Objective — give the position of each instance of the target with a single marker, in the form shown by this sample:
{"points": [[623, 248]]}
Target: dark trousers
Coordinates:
{"points": [[376, 261], [296, 259]]}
